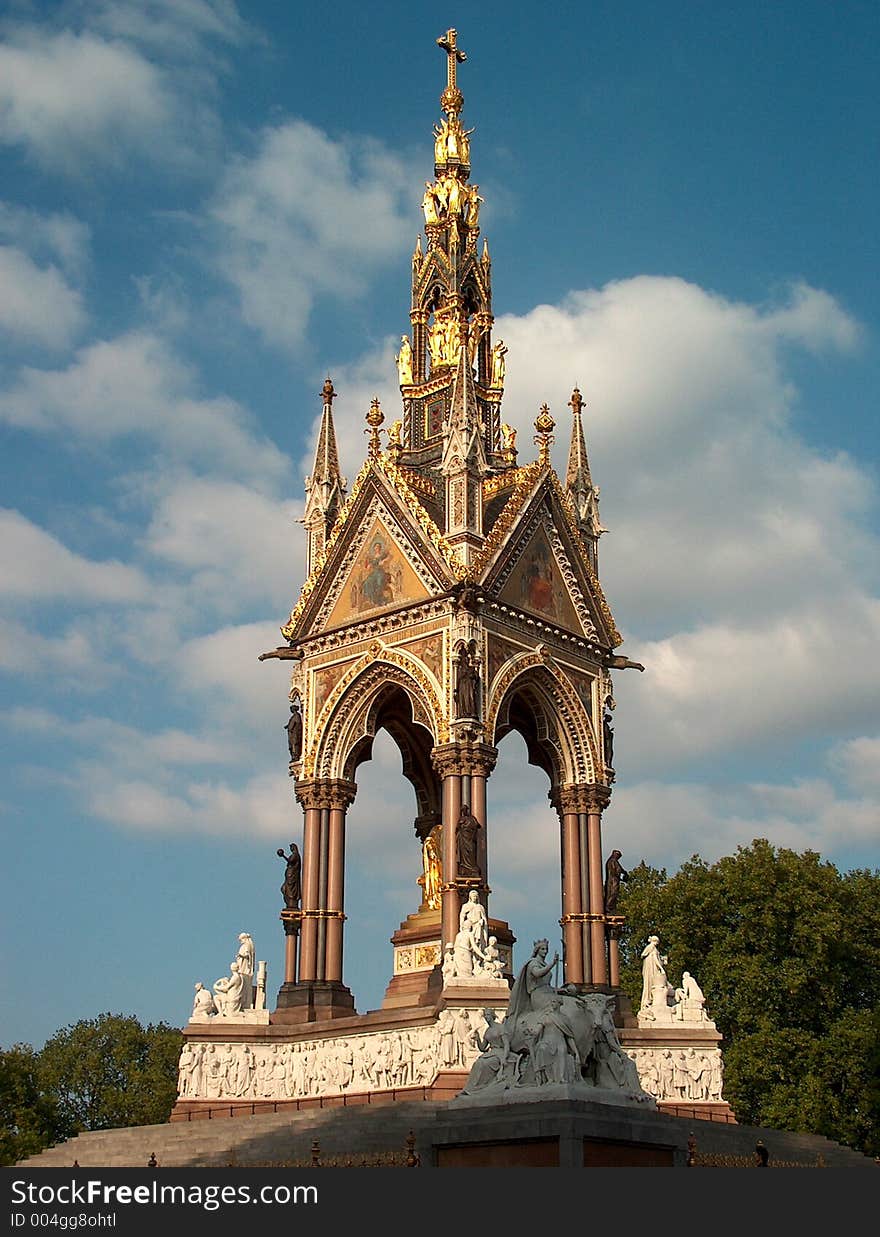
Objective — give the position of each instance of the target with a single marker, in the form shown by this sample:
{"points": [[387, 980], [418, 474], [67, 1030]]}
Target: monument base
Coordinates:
{"points": [[313, 1000]]}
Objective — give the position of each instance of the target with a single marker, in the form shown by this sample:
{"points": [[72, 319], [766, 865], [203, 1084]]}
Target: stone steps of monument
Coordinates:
{"points": [[261, 1139], [287, 1137], [782, 1145]]}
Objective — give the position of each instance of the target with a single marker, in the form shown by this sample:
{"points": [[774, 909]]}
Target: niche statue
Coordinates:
{"points": [[291, 890], [294, 728]]}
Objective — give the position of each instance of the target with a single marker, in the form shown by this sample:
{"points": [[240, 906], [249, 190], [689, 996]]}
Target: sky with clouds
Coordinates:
{"points": [[205, 209]]}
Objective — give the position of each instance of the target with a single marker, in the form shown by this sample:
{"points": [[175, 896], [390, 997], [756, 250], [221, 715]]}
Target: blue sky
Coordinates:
{"points": [[204, 210]]}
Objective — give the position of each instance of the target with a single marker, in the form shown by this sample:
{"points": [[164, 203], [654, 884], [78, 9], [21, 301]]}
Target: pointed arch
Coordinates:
{"points": [[353, 712], [533, 695]]}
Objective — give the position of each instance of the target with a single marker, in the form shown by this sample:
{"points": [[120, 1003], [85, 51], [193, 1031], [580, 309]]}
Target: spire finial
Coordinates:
{"points": [[545, 426], [328, 393], [374, 419], [451, 99]]}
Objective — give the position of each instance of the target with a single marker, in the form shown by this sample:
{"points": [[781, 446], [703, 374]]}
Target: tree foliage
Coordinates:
{"points": [[29, 1119], [787, 951], [96, 1074]]}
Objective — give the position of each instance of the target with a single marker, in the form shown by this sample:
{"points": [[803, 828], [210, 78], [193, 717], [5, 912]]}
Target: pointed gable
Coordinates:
{"points": [[379, 578], [536, 583], [535, 554], [385, 551]]}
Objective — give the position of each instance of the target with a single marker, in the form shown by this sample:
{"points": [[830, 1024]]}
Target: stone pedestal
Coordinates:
{"points": [[313, 1000], [417, 979]]}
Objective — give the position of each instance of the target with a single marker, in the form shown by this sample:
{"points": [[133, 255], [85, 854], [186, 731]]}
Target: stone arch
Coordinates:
{"points": [[385, 687], [532, 695]]}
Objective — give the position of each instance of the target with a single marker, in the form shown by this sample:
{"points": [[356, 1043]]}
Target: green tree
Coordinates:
{"points": [[111, 1071], [29, 1119], [787, 951]]}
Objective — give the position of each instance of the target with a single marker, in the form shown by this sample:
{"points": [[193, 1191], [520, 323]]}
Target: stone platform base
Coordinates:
{"points": [[551, 1134]]}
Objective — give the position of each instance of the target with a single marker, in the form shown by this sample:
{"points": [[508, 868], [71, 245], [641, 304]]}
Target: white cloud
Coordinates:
{"points": [[37, 305], [34, 565], [135, 385], [57, 235], [179, 28], [24, 651], [66, 95], [259, 808], [666, 822], [858, 760], [234, 544], [291, 225], [222, 670]]}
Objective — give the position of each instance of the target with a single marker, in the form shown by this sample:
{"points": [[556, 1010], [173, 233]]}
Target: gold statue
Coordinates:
{"points": [[454, 195], [437, 343], [509, 434], [429, 204], [453, 341], [394, 430], [404, 361], [441, 132], [473, 205], [498, 354], [432, 869]]}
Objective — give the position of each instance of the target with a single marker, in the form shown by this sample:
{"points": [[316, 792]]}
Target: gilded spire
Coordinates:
{"points": [[577, 475], [579, 483], [326, 468], [325, 488]]}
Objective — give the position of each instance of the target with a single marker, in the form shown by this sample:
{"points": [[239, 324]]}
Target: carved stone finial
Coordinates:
{"points": [[545, 425], [374, 419]]}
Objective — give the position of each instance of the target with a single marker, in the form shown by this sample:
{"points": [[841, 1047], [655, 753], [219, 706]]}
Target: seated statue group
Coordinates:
{"points": [[553, 1036]]}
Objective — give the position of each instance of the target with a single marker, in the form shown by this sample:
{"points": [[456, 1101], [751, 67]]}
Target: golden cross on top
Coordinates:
{"points": [[454, 55]]}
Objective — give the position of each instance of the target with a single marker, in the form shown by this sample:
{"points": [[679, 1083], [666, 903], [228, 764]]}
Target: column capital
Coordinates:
{"points": [[580, 797], [326, 792], [447, 760], [464, 758]]}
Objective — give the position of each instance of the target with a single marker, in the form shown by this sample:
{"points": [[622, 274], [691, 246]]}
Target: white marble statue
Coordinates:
{"points": [[655, 985], [203, 1003], [246, 959], [228, 991], [561, 1037], [472, 917]]}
